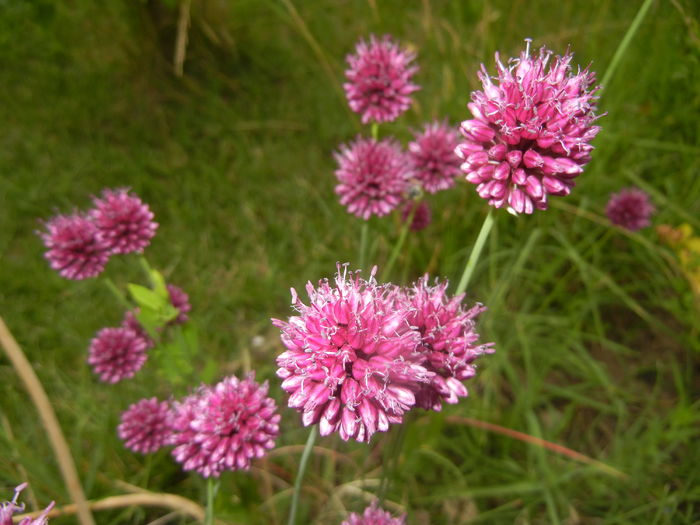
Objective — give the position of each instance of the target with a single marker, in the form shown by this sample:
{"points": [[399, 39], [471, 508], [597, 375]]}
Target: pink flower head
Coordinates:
{"points": [[531, 132], [75, 248], [181, 301], [373, 515], [631, 208], [351, 363], [8, 508], [435, 162], [421, 215], [145, 426], [125, 222], [117, 353], [379, 80], [373, 176], [448, 340], [224, 427]]}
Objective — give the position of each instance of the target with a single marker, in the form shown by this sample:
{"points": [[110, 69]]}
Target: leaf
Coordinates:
{"points": [[146, 298]]}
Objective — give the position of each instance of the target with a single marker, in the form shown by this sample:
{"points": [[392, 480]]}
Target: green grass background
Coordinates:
{"points": [[595, 330]]}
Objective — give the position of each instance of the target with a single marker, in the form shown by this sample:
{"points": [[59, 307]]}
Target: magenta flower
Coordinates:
{"points": [[224, 427], [531, 132], [181, 301], [435, 163], [8, 508], [125, 222], [117, 353], [373, 176], [421, 215], [631, 208], [351, 363], [75, 248], [379, 80], [373, 515], [448, 340], [145, 426]]}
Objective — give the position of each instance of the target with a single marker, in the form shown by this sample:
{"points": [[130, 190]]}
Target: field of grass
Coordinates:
{"points": [[596, 329]]}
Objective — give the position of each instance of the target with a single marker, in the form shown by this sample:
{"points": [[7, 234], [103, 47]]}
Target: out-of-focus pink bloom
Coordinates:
{"points": [[421, 215], [181, 301], [8, 508], [351, 363], [125, 222], [531, 132], [435, 163], [74, 246], [117, 353], [373, 515], [631, 208], [448, 340], [224, 427], [379, 80], [373, 176], [145, 426]]}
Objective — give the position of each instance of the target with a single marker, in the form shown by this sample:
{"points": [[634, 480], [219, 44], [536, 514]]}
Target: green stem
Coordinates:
{"points": [[624, 44], [300, 474], [399, 243], [212, 489], [375, 131], [117, 293], [476, 252], [363, 243], [146, 269], [391, 462]]}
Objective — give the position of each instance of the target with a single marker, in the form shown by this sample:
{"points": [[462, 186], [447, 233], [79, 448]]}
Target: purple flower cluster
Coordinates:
{"points": [[373, 515], [631, 209], [78, 246], [531, 132], [8, 508], [360, 355]]}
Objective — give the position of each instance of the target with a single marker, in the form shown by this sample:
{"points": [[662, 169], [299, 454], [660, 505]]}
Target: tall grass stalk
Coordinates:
{"points": [[300, 474], [476, 252]]}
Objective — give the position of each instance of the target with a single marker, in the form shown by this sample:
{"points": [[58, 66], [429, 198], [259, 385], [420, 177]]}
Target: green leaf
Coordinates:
{"points": [[159, 285], [146, 298]]}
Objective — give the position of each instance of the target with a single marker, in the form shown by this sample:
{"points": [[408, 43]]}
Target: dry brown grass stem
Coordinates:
{"points": [[49, 421], [183, 26]]}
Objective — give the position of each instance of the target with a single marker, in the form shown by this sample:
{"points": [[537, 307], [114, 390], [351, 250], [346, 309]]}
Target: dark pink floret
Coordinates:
{"points": [[373, 176], [373, 515], [117, 353], [352, 363], [435, 163], [421, 215], [630, 208], [181, 301], [379, 83], [145, 426], [531, 132], [124, 221], [224, 427], [448, 340], [75, 248]]}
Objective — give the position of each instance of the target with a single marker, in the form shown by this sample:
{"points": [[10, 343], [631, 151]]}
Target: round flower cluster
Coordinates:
{"points": [[360, 355], [531, 132], [379, 80], [78, 246], [631, 209], [373, 515]]}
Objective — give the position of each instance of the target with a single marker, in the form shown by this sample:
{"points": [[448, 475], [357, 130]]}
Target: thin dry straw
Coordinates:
{"points": [[49, 420]]}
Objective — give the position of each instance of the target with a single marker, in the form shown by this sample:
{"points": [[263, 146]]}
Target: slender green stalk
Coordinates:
{"points": [[363, 243], [212, 489], [476, 252], [624, 44], [146, 269], [399, 243], [117, 293], [375, 131], [300, 474]]}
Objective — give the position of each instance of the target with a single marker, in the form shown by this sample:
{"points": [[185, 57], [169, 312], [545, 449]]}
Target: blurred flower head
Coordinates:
{"points": [[373, 176], [421, 215], [379, 80], [448, 340], [74, 247], [435, 163], [117, 353], [351, 363], [124, 221], [531, 132], [373, 515], [145, 426], [224, 427], [181, 301], [630, 208]]}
